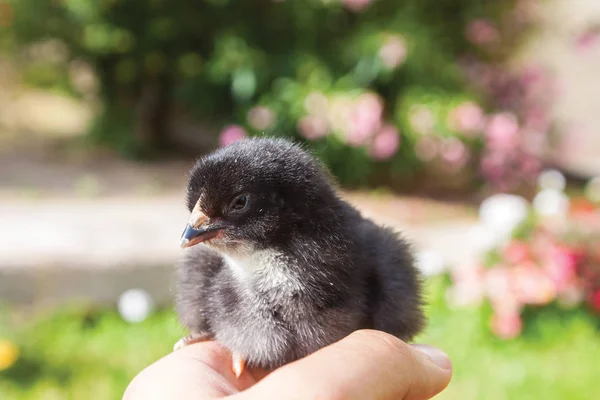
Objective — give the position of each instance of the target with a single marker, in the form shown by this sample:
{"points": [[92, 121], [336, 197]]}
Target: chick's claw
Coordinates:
{"points": [[237, 364], [191, 339]]}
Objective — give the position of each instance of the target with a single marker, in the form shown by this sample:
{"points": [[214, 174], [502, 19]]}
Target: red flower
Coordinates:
{"points": [[582, 207], [561, 265], [385, 143]]}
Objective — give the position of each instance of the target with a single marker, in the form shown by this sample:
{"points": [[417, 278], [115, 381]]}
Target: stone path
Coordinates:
{"points": [[62, 249]]}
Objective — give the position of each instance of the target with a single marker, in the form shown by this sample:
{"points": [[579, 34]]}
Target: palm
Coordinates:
{"points": [[202, 370], [392, 369]]}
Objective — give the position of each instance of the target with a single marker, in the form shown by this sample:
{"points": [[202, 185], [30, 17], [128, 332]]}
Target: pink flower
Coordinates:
{"points": [[313, 127], [541, 242], [356, 5], [506, 326], [467, 118], [530, 167], [467, 286], [232, 134], [493, 166], [426, 148], [260, 118], [386, 143], [536, 118], [587, 41], [532, 76], [371, 104], [468, 272], [560, 264], [393, 52], [516, 252], [502, 132], [498, 284], [482, 32], [455, 153], [365, 120], [532, 286]]}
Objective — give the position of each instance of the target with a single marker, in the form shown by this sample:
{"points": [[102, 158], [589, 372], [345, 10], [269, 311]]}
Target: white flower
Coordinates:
{"points": [[552, 179], [502, 213], [135, 305], [551, 203]]}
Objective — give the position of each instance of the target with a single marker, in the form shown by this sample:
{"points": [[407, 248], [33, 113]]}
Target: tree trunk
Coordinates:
{"points": [[151, 129]]}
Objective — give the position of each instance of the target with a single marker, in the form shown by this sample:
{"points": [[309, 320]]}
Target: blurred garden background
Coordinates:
{"points": [[471, 125]]}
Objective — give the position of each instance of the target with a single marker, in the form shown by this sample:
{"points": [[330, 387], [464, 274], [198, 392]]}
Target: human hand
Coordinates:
{"points": [[366, 365]]}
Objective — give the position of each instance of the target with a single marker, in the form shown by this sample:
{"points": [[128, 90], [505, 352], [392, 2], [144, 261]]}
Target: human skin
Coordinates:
{"points": [[366, 365]]}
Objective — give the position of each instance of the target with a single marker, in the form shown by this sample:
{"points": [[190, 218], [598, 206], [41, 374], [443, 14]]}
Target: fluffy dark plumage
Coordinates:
{"points": [[298, 269]]}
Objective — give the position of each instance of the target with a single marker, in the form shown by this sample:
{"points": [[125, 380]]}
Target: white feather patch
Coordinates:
{"points": [[265, 268]]}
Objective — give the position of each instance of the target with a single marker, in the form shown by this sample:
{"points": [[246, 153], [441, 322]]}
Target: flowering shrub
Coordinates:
{"points": [[551, 259], [375, 87]]}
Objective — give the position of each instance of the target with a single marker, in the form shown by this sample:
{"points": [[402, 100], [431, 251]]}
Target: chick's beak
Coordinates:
{"points": [[199, 229]]}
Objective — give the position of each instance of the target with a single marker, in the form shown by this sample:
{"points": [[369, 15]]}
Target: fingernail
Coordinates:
{"points": [[436, 355]]}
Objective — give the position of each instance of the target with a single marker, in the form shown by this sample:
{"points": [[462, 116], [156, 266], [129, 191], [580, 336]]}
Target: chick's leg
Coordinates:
{"points": [[237, 362], [195, 337]]}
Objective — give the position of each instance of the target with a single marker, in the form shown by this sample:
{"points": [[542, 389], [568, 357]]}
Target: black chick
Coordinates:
{"points": [[285, 266]]}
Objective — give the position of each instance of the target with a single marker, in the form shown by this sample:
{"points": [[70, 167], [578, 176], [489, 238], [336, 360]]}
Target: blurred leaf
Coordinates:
{"points": [[215, 59], [190, 64], [243, 84], [366, 71]]}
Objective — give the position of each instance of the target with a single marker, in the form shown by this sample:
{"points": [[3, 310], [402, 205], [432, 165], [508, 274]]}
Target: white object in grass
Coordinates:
{"points": [[135, 305]]}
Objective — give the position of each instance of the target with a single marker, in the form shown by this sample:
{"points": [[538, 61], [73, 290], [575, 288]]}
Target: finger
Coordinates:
{"points": [[367, 365], [198, 371]]}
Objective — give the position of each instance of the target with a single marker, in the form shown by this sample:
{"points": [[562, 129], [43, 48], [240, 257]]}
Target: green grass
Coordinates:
{"points": [[557, 357], [74, 353]]}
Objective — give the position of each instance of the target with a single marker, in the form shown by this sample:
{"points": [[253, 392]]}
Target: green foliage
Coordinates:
{"points": [[113, 128], [218, 59], [74, 352]]}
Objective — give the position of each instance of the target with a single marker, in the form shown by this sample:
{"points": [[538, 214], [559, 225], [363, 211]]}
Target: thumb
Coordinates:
{"points": [[367, 365]]}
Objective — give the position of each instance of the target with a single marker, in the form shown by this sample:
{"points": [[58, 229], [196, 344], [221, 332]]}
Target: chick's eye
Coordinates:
{"points": [[239, 203]]}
